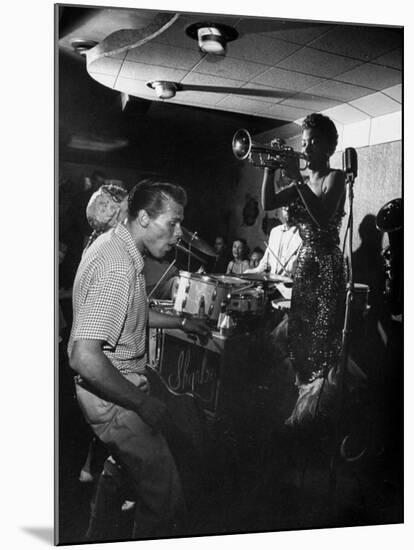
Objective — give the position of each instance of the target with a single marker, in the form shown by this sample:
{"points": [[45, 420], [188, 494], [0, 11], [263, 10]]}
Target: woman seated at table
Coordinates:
{"points": [[240, 263]]}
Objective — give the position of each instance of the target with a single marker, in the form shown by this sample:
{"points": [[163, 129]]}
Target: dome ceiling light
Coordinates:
{"points": [[82, 46], [163, 88], [212, 37]]}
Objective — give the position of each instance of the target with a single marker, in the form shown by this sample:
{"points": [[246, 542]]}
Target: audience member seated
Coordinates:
{"points": [[240, 263], [255, 257], [220, 262]]}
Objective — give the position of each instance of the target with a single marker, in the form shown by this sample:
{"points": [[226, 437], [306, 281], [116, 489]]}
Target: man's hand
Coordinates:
{"points": [[152, 412], [196, 326], [143, 383]]}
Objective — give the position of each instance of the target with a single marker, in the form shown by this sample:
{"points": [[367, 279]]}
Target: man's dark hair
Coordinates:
{"points": [[151, 195], [325, 127]]}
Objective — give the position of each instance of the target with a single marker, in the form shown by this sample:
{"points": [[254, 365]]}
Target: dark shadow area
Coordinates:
{"points": [[250, 474]]}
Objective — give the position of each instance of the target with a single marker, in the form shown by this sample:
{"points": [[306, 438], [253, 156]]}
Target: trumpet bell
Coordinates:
{"points": [[242, 144]]}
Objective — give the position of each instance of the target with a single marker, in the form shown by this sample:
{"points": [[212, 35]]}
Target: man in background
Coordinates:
{"points": [[281, 254]]}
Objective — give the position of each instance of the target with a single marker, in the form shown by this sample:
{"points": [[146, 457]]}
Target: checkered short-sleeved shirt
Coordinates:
{"points": [[109, 300]]}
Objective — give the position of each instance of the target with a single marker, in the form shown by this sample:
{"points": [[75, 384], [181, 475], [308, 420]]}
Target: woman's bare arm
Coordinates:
{"points": [[272, 200]]}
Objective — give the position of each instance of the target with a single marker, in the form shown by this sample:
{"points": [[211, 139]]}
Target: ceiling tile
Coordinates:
{"points": [[310, 102], [338, 90], [372, 76], [106, 80], [210, 80], [317, 63], [297, 32], [345, 114], [200, 97], [259, 48], [105, 65], [163, 54], [392, 59], [287, 80], [134, 87], [230, 68], [176, 36], [395, 92], [142, 71], [376, 104], [267, 93], [360, 42], [243, 104], [284, 112]]}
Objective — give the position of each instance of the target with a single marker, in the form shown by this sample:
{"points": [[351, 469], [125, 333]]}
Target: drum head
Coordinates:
{"points": [[361, 288], [229, 280], [281, 304]]}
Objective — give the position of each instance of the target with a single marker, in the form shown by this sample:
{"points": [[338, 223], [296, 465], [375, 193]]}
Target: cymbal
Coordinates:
{"points": [[194, 241], [266, 278], [191, 253]]}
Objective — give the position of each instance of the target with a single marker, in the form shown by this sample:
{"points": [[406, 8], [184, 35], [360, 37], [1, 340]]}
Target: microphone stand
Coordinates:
{"points": [[346, 332]]}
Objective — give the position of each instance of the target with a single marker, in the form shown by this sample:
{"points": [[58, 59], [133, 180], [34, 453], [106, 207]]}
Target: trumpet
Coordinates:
{"points": [[274, 155]]}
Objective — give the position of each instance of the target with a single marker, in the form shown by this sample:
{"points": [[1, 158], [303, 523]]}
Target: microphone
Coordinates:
{"points": [[350, 163]]}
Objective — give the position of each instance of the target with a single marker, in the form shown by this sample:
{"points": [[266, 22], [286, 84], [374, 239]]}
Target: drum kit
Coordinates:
{"points": [[223, 300], [243, 298]]}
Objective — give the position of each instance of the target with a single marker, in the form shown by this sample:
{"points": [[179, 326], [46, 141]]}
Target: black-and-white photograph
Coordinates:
{"points": [[229, 272]]}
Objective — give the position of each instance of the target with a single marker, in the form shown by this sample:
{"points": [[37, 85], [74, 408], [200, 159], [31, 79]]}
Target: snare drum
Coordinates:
{"points": [[247, 302], [194, 288]]}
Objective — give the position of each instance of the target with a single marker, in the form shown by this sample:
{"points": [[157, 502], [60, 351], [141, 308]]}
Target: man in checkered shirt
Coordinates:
{"points": [[107, 350]]}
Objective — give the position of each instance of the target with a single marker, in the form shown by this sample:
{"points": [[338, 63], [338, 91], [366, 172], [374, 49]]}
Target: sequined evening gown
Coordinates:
{"points": [[318, 297]]}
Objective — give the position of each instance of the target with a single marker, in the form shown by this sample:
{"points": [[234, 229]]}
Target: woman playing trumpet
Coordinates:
{"points": [[316, 206]]}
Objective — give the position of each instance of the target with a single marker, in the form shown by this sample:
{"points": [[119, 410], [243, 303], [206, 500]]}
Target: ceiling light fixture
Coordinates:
{"points": [[212, 37], [163, 88], [83, 46]]}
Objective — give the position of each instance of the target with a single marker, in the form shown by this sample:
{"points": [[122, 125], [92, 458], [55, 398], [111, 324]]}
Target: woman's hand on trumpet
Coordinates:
{"points": [[291, 170]]}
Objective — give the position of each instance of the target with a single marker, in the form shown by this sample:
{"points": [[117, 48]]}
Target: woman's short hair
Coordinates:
{"points": [[325, 126], [151, 195]]}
